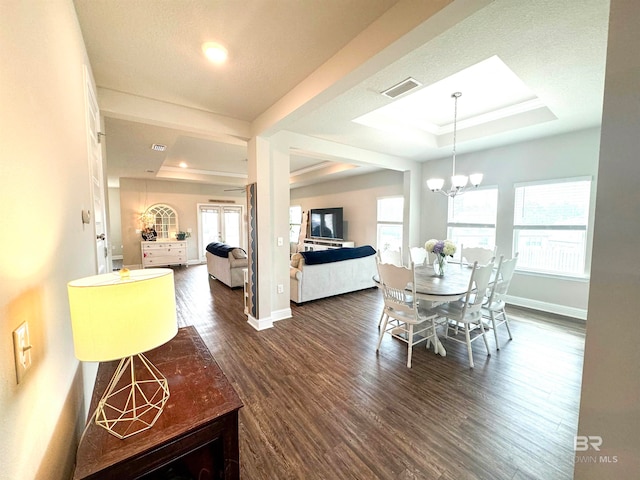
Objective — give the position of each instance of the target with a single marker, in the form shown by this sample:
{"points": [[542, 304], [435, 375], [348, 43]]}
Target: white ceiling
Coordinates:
{"points": [[526, 69]]}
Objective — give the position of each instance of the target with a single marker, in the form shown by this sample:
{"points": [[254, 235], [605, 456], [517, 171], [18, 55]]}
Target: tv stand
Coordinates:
{"points": [[316, 244]]}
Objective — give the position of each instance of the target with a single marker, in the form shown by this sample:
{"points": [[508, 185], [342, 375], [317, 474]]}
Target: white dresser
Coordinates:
{"points": [[160, 254]]}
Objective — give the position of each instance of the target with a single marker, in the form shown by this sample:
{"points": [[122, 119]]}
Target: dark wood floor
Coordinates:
{"points": [[320, 404]]}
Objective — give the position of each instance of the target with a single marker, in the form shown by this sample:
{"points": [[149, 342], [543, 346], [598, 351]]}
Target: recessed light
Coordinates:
{"points": [[215, 52], [183, 165], [158, 147]]}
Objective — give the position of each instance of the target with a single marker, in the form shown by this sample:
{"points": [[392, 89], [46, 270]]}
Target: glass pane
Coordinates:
{"points": [[389, 237], [564, 203], [475, 206], [232, 228], [295, 215], [471, 237], [294, 233], [210, 227], [390, 209], [553, 251]]}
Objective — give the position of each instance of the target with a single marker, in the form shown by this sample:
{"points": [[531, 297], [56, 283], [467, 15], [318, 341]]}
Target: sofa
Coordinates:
{"points": [[326, 273], [226, 263]]}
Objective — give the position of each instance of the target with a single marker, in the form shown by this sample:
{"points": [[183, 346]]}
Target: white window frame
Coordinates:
{"points": [[559, 270], [480, 225], [295, 224], [386, 222]]}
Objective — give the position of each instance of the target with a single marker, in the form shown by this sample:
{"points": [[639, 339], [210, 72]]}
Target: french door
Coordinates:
{"points": [[220, 223]]}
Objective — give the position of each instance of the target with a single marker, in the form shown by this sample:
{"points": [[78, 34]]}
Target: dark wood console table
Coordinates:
{"points": [[196, 436]]}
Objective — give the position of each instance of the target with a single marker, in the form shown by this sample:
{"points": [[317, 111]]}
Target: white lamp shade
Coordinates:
{"points": [[458, 181], [475, 179], [114, 317], [435, 184]]}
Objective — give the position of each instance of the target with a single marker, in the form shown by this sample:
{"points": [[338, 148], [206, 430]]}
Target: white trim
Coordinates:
{"points": [[261, 324], [117, 257], [573, 312], [584, 178], [281, 314]]}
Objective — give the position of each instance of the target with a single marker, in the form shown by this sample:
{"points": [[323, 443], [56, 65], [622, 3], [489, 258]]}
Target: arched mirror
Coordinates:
{"points": [[165, 220]]}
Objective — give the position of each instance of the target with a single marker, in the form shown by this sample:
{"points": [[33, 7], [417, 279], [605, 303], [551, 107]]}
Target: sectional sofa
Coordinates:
{"points": [[326, 273]]}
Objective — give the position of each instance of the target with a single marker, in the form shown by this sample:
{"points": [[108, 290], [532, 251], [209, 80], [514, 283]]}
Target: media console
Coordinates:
{"points": [[317, 244]]}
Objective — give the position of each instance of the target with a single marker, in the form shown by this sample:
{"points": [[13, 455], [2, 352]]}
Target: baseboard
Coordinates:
{"points": [[281, 314], [578, 313], [261, 324]]}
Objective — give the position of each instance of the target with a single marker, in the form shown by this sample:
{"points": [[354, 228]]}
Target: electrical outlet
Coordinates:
{"points": [[280, 288], [22, 350]]}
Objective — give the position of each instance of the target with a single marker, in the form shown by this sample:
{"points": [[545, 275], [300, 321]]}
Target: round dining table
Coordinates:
{"points": [[438, 289], [450, 287]]}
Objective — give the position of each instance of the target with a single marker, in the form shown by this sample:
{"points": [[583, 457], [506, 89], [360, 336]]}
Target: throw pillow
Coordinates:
{"points": [[295, 260]]}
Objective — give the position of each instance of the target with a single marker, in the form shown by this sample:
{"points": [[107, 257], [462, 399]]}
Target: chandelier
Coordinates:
{"points": [[458, 182]]}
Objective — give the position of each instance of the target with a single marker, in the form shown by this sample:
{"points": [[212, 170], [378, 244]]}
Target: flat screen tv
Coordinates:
{"points": [[326, 223]]}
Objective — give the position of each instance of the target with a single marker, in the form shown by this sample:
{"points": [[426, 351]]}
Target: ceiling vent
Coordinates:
{"points": [[401, 88], [158, 147]]}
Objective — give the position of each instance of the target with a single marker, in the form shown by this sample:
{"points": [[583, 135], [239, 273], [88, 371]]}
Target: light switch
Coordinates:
{"points": [[280, 241], [22, 350]]}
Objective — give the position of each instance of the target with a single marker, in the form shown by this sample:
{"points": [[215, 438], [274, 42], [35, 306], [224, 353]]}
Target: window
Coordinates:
{"points": [[295, 222], [390, 215], [472, 218], [550, 225]]}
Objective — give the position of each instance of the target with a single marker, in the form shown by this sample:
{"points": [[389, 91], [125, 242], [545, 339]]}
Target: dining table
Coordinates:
{"points": [[437, 289]]}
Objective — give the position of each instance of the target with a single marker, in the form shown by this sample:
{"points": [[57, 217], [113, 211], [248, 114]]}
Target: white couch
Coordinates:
{"points": [[227, 269], [310, 282]]}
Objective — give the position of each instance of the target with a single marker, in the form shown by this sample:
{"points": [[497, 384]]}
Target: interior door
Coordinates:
{"points": [[96, 176]]}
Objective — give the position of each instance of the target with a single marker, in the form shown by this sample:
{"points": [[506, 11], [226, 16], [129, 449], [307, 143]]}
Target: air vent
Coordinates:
{"points": [[401, 88], [158, 147]]}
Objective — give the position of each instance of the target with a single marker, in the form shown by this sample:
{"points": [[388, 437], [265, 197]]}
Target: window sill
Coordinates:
{"points": [[570, 277]]}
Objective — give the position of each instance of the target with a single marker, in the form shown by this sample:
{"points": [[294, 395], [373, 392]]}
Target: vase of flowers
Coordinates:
{"points": [[442, 249]]}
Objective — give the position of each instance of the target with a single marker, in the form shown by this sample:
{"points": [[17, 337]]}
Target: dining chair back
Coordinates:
{"points": [[494, 305], [468, 311], [391, 256], [482, 255], [419, 255], [402, 320]]}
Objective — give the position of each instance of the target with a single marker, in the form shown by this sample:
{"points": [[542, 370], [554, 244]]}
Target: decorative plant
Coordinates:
{"points": [[442, 249], [182, 235]]}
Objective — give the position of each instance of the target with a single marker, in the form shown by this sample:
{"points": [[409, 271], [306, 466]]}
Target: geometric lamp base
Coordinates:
{"points": [[132, 403]]}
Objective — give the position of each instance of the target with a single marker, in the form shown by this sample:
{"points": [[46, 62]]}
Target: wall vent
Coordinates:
{"points": [[158, 147], [401, 88]]}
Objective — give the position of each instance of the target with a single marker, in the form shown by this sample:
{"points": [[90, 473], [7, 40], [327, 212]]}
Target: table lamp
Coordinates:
{"points": [[119, 316]]}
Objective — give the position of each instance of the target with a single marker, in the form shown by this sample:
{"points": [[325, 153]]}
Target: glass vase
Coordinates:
{"points": [[440, 265]]}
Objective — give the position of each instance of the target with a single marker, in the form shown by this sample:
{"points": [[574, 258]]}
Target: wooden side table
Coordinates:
{"points": [[196, 436]]}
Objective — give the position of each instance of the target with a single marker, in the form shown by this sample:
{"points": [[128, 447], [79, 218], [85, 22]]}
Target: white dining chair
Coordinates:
{"points": [[419, 255], [482, 255], [391, 256], [493, 307], [402, 319], [468, 311]]}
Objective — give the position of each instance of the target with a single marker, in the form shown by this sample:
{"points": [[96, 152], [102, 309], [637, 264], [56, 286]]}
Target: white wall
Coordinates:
{"points": [[115, 225], [570, 155], [44, 185], [358, 196], [610, 401], [136, 195]]}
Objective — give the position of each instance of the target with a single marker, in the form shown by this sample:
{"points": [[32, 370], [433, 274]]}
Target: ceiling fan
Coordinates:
{"points": [[236, 189]]}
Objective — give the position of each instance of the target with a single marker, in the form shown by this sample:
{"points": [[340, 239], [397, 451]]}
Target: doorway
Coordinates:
{"points": [[220, 223]]}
